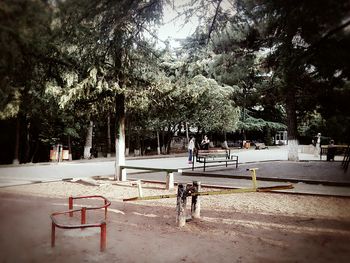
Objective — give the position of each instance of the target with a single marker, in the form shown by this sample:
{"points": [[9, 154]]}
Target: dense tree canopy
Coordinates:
{"points": [[249, 66], [291, 44], [306, 43]]}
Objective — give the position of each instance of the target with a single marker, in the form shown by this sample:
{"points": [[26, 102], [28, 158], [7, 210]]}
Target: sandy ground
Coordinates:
{"points": [[246, 227]]}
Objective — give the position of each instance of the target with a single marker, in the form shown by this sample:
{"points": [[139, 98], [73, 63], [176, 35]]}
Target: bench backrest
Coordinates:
{"points": [[338, 149], [260, 144], [213, 152]]}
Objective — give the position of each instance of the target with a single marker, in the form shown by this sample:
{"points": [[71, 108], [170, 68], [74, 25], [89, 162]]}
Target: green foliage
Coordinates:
{"points": [[254, 67], [214, 108], [233, 59], [64, 62], [108, 48], [254, 124], [188, 96], [286, 57], [306, 43], [24, 35]]}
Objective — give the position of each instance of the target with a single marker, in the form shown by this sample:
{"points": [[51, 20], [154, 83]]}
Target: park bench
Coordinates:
{"points": [[330, 152], [259, 146], [214, 156]]}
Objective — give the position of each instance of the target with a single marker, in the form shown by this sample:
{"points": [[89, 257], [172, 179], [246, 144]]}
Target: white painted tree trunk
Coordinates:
{"points": [[88, 141], [137, 152], [70, 158], [120, 152], [16, 153], [293, 150], [158, 144], [120, 174], [109, 136]]}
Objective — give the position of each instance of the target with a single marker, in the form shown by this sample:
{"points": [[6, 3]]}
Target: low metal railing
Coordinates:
{"points": [[102, 224]]}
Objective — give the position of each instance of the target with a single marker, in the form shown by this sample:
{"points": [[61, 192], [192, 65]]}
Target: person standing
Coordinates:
{"points": [[190, 150], [318, 145]]}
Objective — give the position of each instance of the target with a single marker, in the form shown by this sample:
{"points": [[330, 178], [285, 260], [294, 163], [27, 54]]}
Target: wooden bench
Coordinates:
{"points": [[259, 146], [214, 156], [330, 152]]}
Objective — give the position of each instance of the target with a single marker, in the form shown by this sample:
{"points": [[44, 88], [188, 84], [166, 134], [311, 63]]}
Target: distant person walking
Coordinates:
{"points": [[190, 149], [318, 145]]}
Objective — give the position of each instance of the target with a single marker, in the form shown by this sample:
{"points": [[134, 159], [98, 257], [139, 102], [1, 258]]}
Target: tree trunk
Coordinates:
{"points": [[244, 136], [187, 136], [169, 137], [88, 141], [69, 149], [292, 125], [16, 153], [35, 151], [168, 146], [142, 144], [225, 145], [163, 142], [109, 145], [180, 128], [120, 136], [28, 148], [127, 136], [158, 143]]}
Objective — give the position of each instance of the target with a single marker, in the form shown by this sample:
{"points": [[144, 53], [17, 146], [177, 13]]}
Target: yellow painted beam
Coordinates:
{"points": [[230, 191]]}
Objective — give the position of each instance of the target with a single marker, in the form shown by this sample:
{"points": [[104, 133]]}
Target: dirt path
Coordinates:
{"points": [[146, 232]]}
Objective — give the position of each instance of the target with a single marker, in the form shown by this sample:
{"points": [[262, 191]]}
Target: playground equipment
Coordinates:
{"points": [[169, 173], [193, 190], [102, 225]]}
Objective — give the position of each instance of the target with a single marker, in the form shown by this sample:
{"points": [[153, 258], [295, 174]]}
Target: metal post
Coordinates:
{"points": [[253, 171], [181, 205], [103, 236], [123, 175], [83, 215], [105, 209], [60, 152], [53, 234], [139, 188], [170, 181], [196, 205], [70, 205]]}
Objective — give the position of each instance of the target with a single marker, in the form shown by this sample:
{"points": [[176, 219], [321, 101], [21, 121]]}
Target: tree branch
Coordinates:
{"points": [[330, 33], [335, 30], [211, 29]]}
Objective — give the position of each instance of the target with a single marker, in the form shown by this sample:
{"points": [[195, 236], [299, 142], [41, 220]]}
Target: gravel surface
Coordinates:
{"points": [[265, 203]]}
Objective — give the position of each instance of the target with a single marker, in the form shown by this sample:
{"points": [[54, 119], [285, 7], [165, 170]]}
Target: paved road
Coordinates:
{"points": [[24, 174]]}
